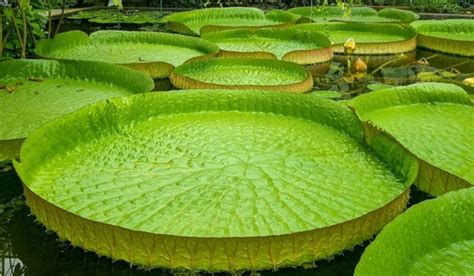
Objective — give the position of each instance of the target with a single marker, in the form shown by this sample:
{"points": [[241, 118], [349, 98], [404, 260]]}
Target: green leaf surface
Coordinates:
{"points": [[403, 16], [328, 94], [239, 166], [243, 73], [206, 20], [44, 90], [377, 36], [435, 237], [278, 42], [452, 36], [453, 29], [126, 48], [355, 14], [339, 32], [432, 120], [142, 17]]}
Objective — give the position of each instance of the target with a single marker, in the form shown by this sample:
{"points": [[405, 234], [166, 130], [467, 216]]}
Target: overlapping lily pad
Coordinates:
{"points": [[113, 16], [433, 121], [354, 14], [213, 180], [155, 54], [370, 38], [452, 36], [242, 73], [435, 237], [198, 22], [298, 46], [36, 91]]}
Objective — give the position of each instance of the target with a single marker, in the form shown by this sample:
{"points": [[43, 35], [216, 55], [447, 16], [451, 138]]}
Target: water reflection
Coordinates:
{"points": [[417, 66]]}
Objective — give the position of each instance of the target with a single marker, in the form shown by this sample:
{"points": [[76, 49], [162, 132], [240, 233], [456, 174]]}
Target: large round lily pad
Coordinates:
{"points": [[114, 16], [452, 36], [155, 54], [291, 45], [34, 92], [242, 73], [435, 237], [213, 180], [354, 14], [434, 121], [370, 38], [198, 22]]}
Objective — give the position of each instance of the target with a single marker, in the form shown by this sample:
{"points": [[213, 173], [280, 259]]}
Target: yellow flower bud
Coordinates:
{"points": [[468, 82], [360, 65], [349, 46]]}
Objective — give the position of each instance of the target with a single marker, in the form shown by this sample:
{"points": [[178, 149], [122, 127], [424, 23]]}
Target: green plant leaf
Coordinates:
{"points": [[452, 36], [155, 54], [434, 237], [431, 120], [290, 45], [354, 14], [198, 22], [242, 73], [118, 4], [204, 172], [370, 38], [44, 90]]}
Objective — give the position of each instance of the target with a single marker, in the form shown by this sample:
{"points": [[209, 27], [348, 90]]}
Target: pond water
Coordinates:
{"points": [[27, 248]]}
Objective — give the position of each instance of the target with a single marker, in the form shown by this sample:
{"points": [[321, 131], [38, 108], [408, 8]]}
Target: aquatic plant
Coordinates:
{"points": [[34, 92], [371, 38], [431, 120], [353, 14], [291, 45], [433, 237], [452, 36], [242, 73], [213, 180], [111, 16], [198, 22], [155, 54]]}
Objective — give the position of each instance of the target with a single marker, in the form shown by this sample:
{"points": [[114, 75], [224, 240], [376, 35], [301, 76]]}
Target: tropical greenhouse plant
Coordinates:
{"points": [[309, 137], [434, 122], [155, 54], [34, 92], [218, 195]]}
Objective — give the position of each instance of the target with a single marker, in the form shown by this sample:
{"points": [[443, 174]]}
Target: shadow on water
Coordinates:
{"points": [[26, 248]]}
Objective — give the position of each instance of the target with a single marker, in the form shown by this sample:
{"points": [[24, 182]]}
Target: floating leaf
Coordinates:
{"points": [[26, 109], [198, 22], [434, 122], [452, 36], [198, 173], [435, 237], [159, 52]]}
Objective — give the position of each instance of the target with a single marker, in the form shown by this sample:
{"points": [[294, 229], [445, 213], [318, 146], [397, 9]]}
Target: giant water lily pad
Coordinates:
{"points": [[370, 38], [434, 121], [435, 237], [354, 14], [114, 16], [198, 22], [37, 91], [241, 73], [291, 45], [213, 180], [155, 54], [452, 36]]}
